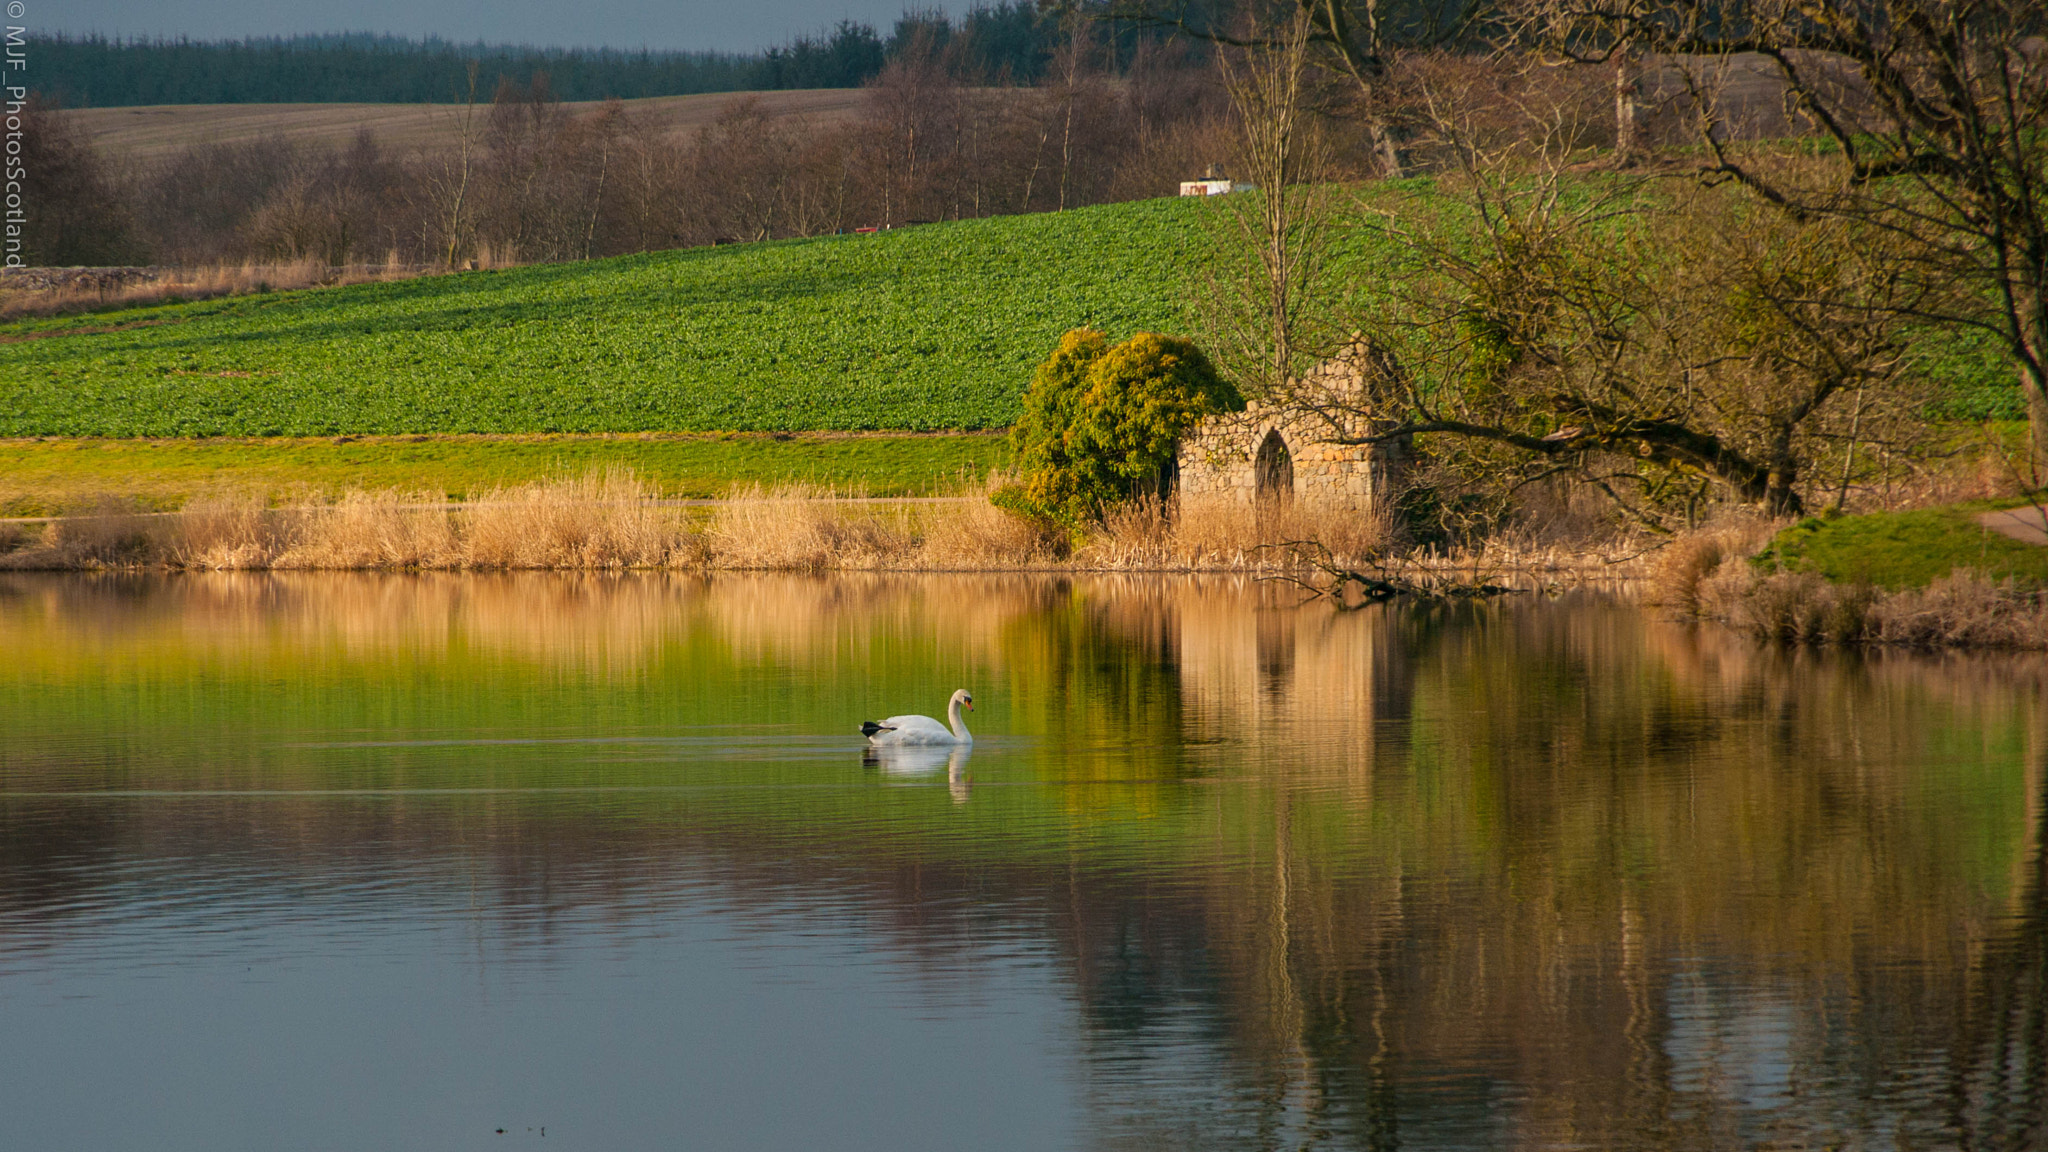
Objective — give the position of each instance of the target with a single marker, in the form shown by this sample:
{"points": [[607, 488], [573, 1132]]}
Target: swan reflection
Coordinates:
{"points": [[910, 761]]}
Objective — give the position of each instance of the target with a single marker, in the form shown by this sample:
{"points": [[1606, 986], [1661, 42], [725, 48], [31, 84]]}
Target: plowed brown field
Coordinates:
{"points": [[156, 130]]}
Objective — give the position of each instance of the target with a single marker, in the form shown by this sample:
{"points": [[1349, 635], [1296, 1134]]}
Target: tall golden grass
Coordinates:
{"points": [[616, 521], [1217, 533], [85, 294], [1679, 571]]}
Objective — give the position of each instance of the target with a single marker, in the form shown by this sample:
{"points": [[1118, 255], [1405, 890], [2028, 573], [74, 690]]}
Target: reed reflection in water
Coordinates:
{"points": [[398, 861]]}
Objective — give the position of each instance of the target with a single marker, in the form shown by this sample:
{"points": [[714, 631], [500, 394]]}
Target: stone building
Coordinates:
{"points": [[1295, 449]]}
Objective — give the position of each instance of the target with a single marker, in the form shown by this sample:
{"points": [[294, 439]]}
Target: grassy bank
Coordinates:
{"points": [[1903, 550], [48, 477], [1927, 578], [933, 327]]}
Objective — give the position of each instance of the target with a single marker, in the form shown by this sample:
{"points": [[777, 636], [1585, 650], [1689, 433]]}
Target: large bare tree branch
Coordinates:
{"points": [[1938, 114]]}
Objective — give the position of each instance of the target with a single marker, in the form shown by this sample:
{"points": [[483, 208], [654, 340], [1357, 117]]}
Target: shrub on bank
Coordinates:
{"points": [[1102, 423]]}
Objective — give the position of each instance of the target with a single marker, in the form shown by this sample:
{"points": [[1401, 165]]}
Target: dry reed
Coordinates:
{"points": [[804, 529], [615, 521], [1216, 533], [1963, 609], [225, 534], [1677, 571], [95, 290], [978, 536], [598, 521], [1709, 577], [113, 534], [369, 530]]}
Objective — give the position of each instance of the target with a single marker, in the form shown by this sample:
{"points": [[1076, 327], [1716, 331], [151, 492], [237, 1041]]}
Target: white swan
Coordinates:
{"points": [[901, 730]]}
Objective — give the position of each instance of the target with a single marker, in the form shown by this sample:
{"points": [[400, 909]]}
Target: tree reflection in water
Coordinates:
{"points": [[1522, 874]]}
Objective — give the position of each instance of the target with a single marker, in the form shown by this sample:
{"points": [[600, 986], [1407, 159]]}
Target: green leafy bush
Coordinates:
{"points": [[1101, 423], [1040, 439]]}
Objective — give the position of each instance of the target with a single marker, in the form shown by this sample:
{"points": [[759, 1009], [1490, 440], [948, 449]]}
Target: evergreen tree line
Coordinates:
{"points": [[1008, 42]]}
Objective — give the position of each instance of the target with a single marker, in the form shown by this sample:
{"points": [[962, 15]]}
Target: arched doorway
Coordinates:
{"points": [[1273, 470]]}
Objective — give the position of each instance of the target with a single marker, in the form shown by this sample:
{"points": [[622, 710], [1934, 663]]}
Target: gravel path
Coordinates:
{"points": [[2024, 523]]}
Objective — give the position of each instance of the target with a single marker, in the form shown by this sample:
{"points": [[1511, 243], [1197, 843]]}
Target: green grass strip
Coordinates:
{"points": [[1906, 549], [40, 478]]}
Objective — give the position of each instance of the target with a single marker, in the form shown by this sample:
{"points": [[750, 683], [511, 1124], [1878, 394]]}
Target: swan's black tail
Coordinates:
{"points": [[869, 728]]}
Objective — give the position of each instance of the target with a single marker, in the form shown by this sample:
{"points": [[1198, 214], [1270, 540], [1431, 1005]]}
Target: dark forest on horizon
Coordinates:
{"points": [[1008, 42]]}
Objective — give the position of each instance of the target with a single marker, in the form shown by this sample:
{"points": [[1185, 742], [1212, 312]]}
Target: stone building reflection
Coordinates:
{"points": [[1631, 885]]}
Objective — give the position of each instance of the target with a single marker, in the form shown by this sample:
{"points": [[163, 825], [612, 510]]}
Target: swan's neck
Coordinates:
{"points": [[960, 731]]}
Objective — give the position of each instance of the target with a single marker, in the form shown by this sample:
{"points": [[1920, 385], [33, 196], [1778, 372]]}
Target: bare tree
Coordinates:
{"points": [[650, 197], [196, 205], [524, 177], [1628, 118], [823, 197], [1071, 65], [1937, 113], [75, 212], [1173, 119], [604, 129], [910, 143], [743, 163], [1363, 41], [1277, 233], [524, 207], [447, 181], [329, 206], [1656, 344]]}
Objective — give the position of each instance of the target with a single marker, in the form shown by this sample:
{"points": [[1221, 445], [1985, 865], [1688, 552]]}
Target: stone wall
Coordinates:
{"points": [[1223, 456]]}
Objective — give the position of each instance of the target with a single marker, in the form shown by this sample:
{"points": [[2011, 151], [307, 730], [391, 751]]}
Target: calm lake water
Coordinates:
{"points": [[348, 862]]}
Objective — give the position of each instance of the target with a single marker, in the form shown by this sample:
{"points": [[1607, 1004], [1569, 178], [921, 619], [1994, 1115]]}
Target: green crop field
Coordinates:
{"points": [[934, 327], [929, 328]]}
